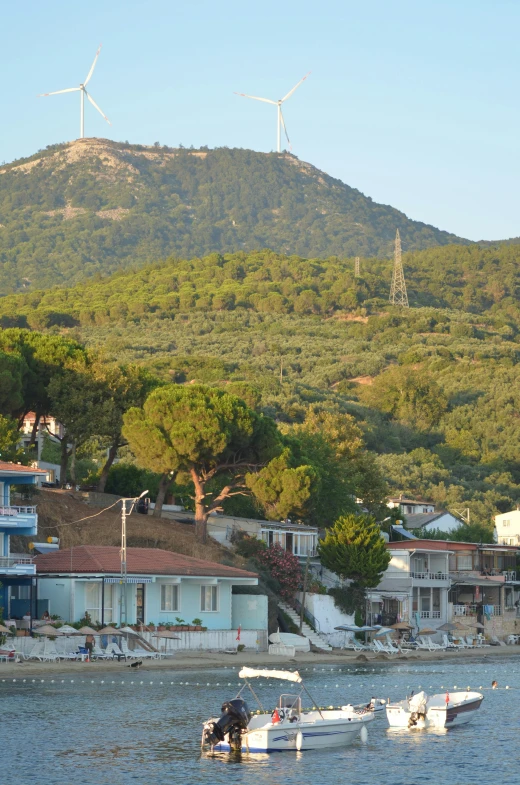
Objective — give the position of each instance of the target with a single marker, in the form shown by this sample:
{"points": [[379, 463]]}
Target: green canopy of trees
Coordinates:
{"points": [[354, 549]]}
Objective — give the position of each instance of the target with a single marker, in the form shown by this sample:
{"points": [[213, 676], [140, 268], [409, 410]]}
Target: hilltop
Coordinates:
{"points": [[94, 206]]}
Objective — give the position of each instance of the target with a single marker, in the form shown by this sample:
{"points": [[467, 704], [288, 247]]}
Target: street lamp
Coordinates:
{"points": [[123, 580]]}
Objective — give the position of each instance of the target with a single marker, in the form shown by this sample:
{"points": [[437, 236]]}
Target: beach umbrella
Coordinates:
{"points": [[67, 629], [355, 628], [427, 631], [47, 629], [401, 625], [5, 630], [167, 634], [128, 631], [476, 624], [109, 631], [87, 631], [449, 627], [383, 631]]}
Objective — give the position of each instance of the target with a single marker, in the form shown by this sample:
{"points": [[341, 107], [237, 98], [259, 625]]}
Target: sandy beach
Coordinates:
{"points": [[200, 661]]}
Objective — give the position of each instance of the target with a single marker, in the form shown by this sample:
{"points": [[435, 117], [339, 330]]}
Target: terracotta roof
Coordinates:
{"points": [[140, 561], [19, 469]]}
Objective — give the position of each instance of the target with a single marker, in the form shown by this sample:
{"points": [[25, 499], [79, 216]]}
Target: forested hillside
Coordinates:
{"points": [[435, 389], [94, 206]]}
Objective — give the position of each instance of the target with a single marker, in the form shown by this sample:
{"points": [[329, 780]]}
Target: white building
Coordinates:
{"points": [[507, 528], [426, 521], [414, 586], [410, 506]]}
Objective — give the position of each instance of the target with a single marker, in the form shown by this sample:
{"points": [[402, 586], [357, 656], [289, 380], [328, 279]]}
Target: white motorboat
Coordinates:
{"points": [[287, 728], [445, 710]]}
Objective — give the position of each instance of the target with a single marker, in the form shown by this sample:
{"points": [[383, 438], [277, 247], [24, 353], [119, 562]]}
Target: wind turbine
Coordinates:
{"points": [[280, 122], [83, 93]]}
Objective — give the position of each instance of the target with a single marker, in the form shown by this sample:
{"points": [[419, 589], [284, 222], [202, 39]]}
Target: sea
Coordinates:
{"points": [[144, 727]]}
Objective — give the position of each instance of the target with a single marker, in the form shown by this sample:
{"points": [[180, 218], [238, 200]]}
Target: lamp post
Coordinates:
{"points": [[123, 579]]}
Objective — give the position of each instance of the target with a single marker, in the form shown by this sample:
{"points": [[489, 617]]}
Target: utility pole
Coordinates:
{"points": [[124, 576], [398, 294], [463, 514], [356, 267]]}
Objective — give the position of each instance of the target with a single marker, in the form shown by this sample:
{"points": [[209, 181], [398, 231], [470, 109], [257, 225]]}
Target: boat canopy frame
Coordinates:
{"points": [[294, 676]]}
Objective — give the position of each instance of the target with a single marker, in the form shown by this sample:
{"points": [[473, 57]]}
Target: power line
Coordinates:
{"points": [[398, 294]]}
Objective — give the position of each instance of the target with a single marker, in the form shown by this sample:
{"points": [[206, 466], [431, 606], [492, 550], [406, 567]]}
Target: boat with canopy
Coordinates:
{"points": [[288, 728]]}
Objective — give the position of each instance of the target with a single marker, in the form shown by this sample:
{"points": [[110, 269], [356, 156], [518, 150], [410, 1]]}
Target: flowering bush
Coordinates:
{"points": [[284, 568]]}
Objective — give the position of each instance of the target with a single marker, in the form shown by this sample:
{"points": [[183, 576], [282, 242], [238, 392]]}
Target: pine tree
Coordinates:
{"points": [[354, 548]]}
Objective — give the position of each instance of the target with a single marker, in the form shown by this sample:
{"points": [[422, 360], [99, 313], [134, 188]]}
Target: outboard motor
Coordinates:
{"points": [[235, 719]]}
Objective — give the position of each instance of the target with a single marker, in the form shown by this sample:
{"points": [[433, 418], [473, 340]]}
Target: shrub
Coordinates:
{"points": [[284, 567]]}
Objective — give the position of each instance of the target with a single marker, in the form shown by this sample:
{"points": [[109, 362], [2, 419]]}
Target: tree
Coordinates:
{"points": [[10, 449], [410, 396], [200, 433], [126, 386], [12, 372], [354, 549], [79, 402], [281, 488]]}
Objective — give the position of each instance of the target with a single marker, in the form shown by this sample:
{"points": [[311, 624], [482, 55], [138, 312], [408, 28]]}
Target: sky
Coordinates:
{"points": [[413, 102]]}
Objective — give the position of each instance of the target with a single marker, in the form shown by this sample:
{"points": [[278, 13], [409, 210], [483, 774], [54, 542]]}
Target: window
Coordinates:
{"points": [[464, 561], [170, 597], [93, 601], [209, 598], [505, 523]]}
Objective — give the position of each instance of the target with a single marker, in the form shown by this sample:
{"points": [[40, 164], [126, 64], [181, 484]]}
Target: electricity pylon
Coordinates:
{"points": [[398, 295]]}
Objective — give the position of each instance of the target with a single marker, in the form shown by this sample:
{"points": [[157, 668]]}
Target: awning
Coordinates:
{"points": [[128, 580], [479, 582]]}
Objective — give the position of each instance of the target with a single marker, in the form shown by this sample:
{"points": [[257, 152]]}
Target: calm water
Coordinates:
{"points": [[120, 734]]}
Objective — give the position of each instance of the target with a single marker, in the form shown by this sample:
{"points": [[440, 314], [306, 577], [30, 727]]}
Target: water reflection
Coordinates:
{"points": [[115, 734]]}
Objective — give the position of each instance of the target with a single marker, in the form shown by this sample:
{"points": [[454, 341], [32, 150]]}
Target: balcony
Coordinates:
{"points": [[430, 614], [17, 565], [429, 576], [20, 520], [471, 610]]}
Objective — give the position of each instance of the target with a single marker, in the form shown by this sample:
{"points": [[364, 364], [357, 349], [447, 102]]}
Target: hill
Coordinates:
{"points": [[475, 279], [312, 337], [95, 206]]}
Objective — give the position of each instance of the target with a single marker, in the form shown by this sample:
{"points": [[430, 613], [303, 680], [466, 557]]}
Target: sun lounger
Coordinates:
{"points": [[449, 644]]}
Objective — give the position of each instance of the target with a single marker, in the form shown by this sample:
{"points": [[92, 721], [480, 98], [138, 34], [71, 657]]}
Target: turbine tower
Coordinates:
{"points": [[83, 93], [280, 122], [398, 295]]}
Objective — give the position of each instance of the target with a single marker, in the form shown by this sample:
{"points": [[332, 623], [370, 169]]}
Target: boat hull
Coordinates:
{"points": [[460, 709], [301, 736]]}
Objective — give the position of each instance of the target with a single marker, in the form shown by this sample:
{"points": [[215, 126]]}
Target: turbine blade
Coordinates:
{"points": [[295, 87], [94, 104], [57, 92], [285, 129], [255, 98], [93, 65]]}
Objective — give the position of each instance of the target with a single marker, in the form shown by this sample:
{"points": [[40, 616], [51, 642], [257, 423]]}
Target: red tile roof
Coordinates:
{"points": [[140, 561], [17, 467]]}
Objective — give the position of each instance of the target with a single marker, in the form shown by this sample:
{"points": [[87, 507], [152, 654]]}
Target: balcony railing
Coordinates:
{"points": [[430, 576], [471, 610], [430, 614], [13, 512], [14, 561]]}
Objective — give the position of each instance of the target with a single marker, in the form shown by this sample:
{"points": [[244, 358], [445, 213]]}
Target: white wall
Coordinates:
{"points": [[324, 610], [446, 523]]}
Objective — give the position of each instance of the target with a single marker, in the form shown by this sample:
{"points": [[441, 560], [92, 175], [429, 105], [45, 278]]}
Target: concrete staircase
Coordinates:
{"points": [[317, 639]]}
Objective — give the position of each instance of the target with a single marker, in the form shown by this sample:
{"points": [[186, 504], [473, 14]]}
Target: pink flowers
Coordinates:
{"points": [[284, 568]]}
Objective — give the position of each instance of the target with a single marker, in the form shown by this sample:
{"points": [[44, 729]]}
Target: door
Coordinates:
{"points": [[140, 607], [289, 542]]}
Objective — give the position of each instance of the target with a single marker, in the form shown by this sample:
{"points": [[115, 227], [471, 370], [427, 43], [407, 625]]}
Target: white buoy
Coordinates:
{"points": [[363, 735]]}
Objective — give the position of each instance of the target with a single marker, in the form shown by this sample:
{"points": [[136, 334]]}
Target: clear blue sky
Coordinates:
{"points": [[414, 102]]}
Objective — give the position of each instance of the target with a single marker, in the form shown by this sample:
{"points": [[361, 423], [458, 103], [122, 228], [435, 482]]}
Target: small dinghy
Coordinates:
{"points": [[288, 728], [445, 710]]}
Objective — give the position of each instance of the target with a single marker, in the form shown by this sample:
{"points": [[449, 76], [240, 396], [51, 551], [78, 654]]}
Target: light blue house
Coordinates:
{"points": [[161, 587], [17, 573]]}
